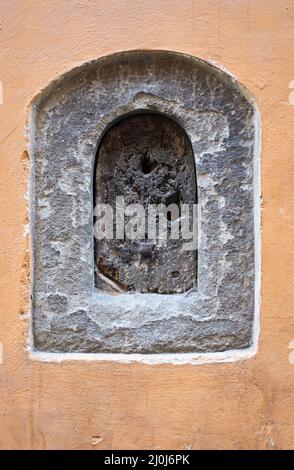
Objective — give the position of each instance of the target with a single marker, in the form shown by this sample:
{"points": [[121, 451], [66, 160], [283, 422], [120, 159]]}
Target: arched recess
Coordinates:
{"points": [[67, 120], [145, 159]]}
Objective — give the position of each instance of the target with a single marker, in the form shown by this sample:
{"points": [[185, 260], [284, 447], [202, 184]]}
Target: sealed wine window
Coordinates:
{"points": [[144, 205], [146, 160]]}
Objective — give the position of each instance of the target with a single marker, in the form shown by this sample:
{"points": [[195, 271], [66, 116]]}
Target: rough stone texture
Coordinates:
{"points": [[69, 119], [147, 159]]}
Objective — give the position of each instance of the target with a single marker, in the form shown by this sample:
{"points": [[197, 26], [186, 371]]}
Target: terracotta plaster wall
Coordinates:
{"points": [[108, 405]]}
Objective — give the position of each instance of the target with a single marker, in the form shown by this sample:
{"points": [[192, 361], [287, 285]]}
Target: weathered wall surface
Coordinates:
{"points": [[103, 405]]}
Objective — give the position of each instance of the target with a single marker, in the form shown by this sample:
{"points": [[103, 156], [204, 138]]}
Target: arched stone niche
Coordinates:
{"points": [[147, 159], [69, 121]]}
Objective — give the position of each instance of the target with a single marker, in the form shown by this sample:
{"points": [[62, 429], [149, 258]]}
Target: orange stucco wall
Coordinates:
{"points": [[103, 405]]}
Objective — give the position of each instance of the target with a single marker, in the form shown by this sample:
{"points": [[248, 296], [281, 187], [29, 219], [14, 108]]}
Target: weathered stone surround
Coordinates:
{"points": [[68, 121]]}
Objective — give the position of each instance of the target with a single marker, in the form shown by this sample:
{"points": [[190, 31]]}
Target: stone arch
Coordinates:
{"points": [[68, 117]]}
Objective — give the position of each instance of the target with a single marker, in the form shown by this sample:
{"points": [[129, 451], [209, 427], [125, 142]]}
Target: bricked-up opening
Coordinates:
{"points": [[148, 159]]}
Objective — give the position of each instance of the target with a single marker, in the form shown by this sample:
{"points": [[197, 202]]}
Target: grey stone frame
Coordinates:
{"points": [[67, 123]]}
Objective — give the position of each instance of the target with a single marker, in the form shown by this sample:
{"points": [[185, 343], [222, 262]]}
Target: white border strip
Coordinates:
{"points": [[151, 359]]}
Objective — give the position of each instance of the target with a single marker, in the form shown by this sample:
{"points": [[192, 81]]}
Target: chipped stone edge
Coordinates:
{"points": [[232, 355]]}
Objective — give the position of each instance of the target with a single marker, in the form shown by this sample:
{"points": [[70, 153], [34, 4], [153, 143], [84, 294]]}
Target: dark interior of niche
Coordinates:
{"points": [[148, 159]]}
